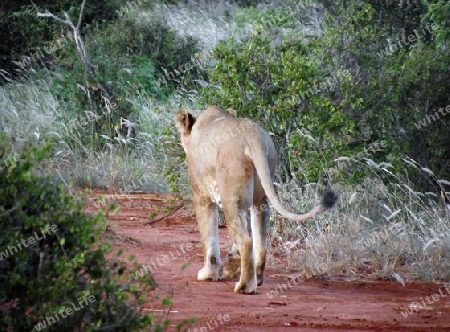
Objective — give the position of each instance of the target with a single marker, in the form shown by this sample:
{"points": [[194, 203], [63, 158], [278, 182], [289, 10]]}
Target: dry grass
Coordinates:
{"points": [[380, 229]]}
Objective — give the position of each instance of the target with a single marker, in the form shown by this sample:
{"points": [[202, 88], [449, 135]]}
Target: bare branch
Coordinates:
{"points": [[70, 21], [56, 18], [82, 11], [76, 30], [163, 217], [79, 43]]}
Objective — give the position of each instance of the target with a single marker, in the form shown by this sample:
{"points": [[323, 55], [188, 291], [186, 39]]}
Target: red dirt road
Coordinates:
{"points": [[173, 242]]}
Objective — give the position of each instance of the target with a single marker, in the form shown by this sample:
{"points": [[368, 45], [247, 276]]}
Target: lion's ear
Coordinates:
{"points": [[184, 121], [232, 112]]}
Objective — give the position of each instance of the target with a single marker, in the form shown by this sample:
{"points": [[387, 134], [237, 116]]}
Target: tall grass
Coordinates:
{"points": [[28, 111], [209, 22], [381, 229]]}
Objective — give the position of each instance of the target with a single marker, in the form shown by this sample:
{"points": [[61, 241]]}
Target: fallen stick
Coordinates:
{"points": [[163, 217]]}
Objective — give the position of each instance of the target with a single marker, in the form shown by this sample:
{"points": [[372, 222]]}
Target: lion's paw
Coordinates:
{"points": [[246, 288], [215, 273], [260, 280], [232, 266]]}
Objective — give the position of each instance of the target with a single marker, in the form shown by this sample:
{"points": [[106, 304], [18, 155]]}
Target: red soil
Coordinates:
{"points": [[173, 242]]}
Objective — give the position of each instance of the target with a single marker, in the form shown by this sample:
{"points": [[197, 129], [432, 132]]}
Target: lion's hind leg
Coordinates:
{"points": [[260, 215], [235, 210], [236, 223], [206, 213], [234, 176]]}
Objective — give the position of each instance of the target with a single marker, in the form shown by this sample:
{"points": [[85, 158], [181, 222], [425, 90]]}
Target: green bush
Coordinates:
{"points": [[24, 34], [272, 84], [53, 259], [344, 90], [129, 57], [397, 64]]}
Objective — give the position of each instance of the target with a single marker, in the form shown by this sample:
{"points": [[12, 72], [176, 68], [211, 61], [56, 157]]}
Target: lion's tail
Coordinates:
{"points": [[262, 167]]}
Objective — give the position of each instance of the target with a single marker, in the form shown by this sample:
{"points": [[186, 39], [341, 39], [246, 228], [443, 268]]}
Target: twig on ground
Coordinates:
{"points": [[163, 217]]}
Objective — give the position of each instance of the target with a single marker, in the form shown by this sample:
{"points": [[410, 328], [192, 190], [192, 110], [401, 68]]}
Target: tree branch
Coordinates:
{"points": [[163, 217], [82, 11], [56, 18], [81, 49], [76, 30]]}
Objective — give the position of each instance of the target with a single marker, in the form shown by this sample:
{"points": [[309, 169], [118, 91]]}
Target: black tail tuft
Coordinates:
{"points": [[329, 199]]}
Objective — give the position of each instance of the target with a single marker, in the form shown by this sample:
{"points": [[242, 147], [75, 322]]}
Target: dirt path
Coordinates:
{"points": [[171, 248]]}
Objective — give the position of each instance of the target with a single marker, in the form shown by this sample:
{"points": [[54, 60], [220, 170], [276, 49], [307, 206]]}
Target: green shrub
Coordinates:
{"points": [[129, 57], [344, 90], [397, 64], [273, 84], [53, 260], [25, 34]]}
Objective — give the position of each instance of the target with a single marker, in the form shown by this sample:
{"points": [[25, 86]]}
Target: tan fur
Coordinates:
{"points": [[231, 163], [232, 264]]}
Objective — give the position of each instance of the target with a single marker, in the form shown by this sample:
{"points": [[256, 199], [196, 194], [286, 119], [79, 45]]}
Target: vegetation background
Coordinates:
{"points": [[355, 94]]}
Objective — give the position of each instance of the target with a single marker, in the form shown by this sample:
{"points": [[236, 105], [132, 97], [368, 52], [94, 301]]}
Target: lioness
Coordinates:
{"points": [[231, 163]]}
